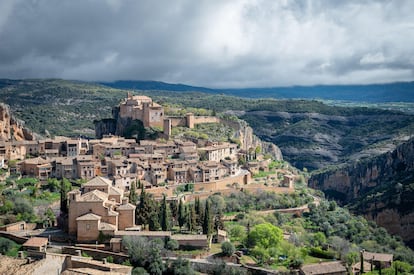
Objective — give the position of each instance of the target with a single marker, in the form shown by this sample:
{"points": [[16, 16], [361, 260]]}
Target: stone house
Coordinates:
{"points": [[36, 167], [99, 207]]}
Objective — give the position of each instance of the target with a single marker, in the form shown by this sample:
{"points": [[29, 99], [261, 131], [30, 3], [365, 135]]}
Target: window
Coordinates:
{"points": [[88, 226]]}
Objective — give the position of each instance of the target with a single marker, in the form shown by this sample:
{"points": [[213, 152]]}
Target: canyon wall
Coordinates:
{"points": [[381, 189]]}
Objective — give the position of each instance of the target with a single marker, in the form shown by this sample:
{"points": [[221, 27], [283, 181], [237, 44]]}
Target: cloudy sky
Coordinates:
{"points": [[213, 43]]}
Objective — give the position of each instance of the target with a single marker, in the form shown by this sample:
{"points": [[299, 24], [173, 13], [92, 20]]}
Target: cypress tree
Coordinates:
{"points": [[207, 222], [165, 215], [191, 222], [181, 214], [133, 198]]}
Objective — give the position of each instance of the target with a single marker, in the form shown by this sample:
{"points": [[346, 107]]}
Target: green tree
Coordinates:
{"points": [[133, 197], [181, 267], [165, 215], [65, 187], [181, 214], [155, 265], [191, 218], [208, 221], [265, 235]]}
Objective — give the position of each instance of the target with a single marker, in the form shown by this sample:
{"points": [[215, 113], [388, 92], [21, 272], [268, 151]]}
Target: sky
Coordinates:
{"points": [[211, 43]]}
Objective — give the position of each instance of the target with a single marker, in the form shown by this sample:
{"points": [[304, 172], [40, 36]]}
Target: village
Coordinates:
{"points": [[99, 215]]}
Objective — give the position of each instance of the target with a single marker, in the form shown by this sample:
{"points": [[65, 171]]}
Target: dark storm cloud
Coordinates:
{"points": [[213, 43]]}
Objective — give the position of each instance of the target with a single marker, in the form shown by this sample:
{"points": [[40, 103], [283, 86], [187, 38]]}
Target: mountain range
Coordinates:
{"points": [[389, 92]]}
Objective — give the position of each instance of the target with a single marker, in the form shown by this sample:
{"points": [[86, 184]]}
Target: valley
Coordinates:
{"points": [[359, 156]]}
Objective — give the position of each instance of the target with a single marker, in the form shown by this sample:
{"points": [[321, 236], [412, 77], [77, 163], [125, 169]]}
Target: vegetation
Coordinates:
{"points": [[19, 198], [8, 247]]}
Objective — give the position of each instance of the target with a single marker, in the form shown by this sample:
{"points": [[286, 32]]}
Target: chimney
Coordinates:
{"points": [[125, 200], [104, 261]]}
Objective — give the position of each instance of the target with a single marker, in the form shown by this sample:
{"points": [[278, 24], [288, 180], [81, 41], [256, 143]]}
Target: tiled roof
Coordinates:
{"points": [[115, 191], [94, 195], [36, 242], [98, 181], [380, 257], [106, 226], [89, 217], [127, 206]]}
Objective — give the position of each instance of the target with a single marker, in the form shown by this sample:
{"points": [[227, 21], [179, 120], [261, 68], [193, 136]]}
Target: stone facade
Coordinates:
{"points": [[99, 207]]}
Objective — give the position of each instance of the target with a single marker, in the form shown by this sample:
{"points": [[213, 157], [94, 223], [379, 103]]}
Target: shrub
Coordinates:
{"points": [[319, 253], [172, 245], [227, 248]]}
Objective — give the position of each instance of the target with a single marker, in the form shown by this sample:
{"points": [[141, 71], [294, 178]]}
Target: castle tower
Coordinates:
{"points": [[190, 120], [167, 128]]}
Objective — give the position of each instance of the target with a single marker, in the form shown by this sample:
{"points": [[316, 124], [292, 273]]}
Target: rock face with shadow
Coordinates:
{"points": [[381, 189], [11, 128]]}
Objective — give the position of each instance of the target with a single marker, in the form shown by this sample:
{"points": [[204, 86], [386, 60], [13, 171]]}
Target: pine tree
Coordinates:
{"points": [[181, 214], [207, 221]]}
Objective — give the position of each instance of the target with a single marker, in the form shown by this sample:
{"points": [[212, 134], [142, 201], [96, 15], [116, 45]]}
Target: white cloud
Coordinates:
{"points": [[214, 43]]}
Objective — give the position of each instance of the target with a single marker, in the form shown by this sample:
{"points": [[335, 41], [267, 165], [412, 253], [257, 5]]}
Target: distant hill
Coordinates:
{"points": [[391, 92], [155, 85]]}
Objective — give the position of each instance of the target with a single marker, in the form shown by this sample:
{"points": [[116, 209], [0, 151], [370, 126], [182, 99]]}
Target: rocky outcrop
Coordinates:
{"points": [[244, 134], [381, 188], [12, 128]]}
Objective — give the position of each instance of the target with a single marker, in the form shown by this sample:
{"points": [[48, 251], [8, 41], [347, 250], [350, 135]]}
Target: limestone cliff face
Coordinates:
{"points": [[381, 188], [108, 126], [12, 128], [244, 133]]}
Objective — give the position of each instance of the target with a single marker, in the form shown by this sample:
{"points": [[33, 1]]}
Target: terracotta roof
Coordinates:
{"points": [[36, 242], [380, 257], [98, 181], [323, 268], [88, 217], [94, 195]]}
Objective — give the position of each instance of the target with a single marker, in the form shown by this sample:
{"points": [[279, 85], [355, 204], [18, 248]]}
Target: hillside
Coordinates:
{"points": [[58, 106], [310, 134]]}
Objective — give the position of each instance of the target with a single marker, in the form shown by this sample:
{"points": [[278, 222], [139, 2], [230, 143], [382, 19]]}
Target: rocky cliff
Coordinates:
{"points": [[244, 133], [381, 188], [12, 128]]}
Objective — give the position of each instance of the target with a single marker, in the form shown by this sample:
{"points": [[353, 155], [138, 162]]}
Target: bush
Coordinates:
{"points": [[6, 245], [319, 253], [172, 245], [227, 248]]}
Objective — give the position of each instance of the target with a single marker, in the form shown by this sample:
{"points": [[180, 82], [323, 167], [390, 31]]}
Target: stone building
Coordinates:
{"points": [[142, 108], [100, 207]]}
